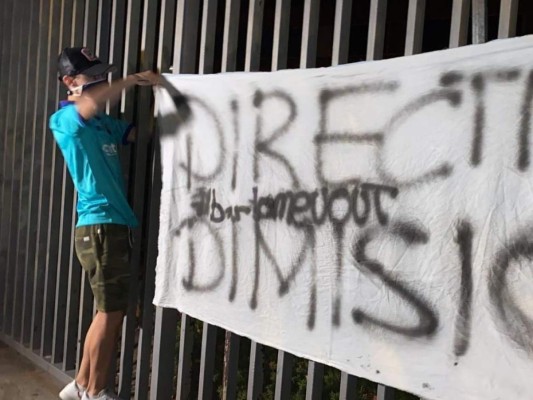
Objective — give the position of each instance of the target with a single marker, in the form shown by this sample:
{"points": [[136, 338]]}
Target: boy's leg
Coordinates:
{"points": [[103, 251], [105, 330], [82, 378]]}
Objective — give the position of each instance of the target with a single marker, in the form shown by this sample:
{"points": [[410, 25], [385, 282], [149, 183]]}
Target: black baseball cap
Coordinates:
{"points": [[81, 60]]}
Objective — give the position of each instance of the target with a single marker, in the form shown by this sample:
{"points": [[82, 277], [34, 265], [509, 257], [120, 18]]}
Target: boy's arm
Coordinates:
{"points": [[95, 99]]}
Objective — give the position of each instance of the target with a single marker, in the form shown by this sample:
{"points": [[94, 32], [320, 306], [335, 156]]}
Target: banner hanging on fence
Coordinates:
{"points": [[376, 217]]}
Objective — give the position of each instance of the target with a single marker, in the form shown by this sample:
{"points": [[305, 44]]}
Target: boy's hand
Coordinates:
{"points": [[146, 78]]}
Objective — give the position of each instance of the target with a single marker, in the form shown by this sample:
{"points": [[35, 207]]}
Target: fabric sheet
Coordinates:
{"points": [[376, 217]]}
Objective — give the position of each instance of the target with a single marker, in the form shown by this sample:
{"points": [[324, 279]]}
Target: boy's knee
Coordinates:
{"points": [[111, 320]]}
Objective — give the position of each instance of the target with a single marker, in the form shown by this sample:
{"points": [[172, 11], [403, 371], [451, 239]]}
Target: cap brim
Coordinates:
{"points": [[99, 69]]}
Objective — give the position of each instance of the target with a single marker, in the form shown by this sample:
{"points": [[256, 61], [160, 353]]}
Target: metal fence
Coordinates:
{"points": [[45, 301]]}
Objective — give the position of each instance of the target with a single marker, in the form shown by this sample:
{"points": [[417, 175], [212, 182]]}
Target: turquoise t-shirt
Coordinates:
{"points": [[90, 149]]}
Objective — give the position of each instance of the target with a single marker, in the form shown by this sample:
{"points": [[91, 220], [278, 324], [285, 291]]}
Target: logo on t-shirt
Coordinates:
{"points": [[109, 149]]}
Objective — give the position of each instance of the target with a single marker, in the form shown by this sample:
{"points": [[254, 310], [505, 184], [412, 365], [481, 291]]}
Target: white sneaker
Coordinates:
{"points": [[71, 392], [103, 395]]}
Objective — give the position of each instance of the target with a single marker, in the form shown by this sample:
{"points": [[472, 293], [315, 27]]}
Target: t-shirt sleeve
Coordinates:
{"points": [[121, 130], [67, 121]]}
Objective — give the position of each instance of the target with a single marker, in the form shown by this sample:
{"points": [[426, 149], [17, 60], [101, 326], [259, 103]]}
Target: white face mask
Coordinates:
{"points": [[78, 90]]}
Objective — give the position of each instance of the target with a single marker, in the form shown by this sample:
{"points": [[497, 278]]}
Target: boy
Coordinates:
{"points": [[89, 141]]}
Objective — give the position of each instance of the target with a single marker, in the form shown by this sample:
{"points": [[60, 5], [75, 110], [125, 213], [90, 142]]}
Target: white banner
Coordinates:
{"points": [[376, 217]]}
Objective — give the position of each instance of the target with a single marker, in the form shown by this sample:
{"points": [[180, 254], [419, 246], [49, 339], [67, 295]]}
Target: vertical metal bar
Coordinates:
{"points": [[18, 151], [231, 32], [116, 57], [131, 53], [341, 32], [116, 46], [163, 358], [91, 17], [3, 53], [459, 27], [284, 368], [315, 379], [185, 358], [308, 60], [415, 27], [341, 36], [18, 143], [348, 386], [207, 40], [64, 278], [39, 132], [28, 193], [231, 364], [15, 132], [4, 98], [86, 297], [53, 285], [209, 332], [479, 21], [229, 63], [187, 15], [386, 393], [280, 47], [376, 29], [134, 12], [8, 134], [254, 35], [63, 214], [255, 373], [376, 39], [144, 121], [49, 260], [7, 178], [5, 30], [121, 31], [103, 43], [103, 29], [309, 34], [78, 26], [85, 316], [157, 360], [73, 304], [166, 36], [75, 270], [207, 361], [508, 15]]}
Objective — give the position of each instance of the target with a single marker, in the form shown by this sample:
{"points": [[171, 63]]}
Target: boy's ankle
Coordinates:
{"points": [[80, 386]]}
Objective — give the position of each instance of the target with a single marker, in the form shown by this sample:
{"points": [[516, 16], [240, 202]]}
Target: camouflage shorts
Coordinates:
{"points": [[103, 251]]}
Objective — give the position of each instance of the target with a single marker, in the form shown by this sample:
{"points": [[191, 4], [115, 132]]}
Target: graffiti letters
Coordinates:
{"points": [[303, 169]]}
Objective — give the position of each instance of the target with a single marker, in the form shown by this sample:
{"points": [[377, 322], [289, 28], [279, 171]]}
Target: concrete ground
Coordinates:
{"points": [[21, 380]]}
